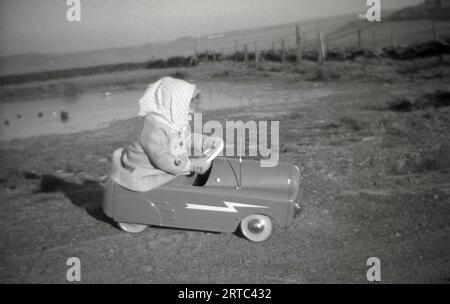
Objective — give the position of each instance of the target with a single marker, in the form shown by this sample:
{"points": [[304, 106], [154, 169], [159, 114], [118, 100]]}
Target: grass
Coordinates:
{"points": [[321, 73], [435, 100], [225, 73], [434, 159], [352, 123], [428, 49], [416, 66], [353, 64], [179, 75], [401, 104]]}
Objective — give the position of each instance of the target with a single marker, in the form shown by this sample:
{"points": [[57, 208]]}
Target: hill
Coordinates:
{"points": [[184, 46], [439, 10]]}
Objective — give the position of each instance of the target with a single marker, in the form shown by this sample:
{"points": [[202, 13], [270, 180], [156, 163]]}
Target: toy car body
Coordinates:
{"points": [[232, 193]]}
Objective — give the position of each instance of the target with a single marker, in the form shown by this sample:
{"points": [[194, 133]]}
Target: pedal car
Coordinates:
{"points": [[232, 194]]}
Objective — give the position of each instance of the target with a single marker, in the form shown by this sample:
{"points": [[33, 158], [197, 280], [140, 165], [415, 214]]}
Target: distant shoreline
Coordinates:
{"points": [[13, 79]]}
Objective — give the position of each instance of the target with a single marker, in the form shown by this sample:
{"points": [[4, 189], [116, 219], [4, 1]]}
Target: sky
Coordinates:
{"points": [[41, 26]]}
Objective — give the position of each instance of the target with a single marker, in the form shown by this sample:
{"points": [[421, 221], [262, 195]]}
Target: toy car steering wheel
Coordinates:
{"points": [[216, 146]]}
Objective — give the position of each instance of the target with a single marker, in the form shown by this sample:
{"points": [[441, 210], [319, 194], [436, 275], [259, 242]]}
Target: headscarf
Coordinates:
{"points": [[168, 100]]}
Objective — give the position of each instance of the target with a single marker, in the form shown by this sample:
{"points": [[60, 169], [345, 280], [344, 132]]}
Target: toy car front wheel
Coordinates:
{"points": [[132, 228], [256, 227]]}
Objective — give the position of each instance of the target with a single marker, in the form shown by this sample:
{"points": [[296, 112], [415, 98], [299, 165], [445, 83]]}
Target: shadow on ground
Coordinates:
{"points": [[87, 195]]}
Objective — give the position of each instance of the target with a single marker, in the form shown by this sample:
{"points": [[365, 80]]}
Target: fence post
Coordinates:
{"points": [[206, 55], [433, 29], [319, 48], [423, 10], [283, 51], [195, 48], [323, 47], [374, 42], [391, 34], [298, 41], [256, 52], [359, 38], [235, 50], [245, 53]]}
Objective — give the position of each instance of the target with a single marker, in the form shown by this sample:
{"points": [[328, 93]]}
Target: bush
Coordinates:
{"points": [[172, 62], [310, 55], [177, 61], [437, 99], [422, 50], [351, 123], [271, 56], [335, 54], [401, 105], [156, 64], [353, 53], [225, 73], [179, 75]]}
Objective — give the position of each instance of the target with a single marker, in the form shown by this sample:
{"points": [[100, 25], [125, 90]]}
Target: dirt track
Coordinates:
{"points": [[374, 183]]}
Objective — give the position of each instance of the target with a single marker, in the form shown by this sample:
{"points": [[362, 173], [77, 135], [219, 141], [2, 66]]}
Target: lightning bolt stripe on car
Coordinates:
{"points": [[230, 207]]}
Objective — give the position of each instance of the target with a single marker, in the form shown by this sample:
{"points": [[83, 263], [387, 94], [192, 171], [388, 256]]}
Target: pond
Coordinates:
{"points": [[92, 110]]}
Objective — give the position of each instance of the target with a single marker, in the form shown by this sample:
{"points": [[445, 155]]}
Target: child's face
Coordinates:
{"points": [[195, 104]]}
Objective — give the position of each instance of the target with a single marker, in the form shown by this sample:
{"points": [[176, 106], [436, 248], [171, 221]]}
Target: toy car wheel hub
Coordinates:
{"points": [[256, 227]]}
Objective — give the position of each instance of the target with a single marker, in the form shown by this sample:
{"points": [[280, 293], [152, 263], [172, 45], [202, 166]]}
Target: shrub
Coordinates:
{"points": [[271, 56], [422, 50], [172, 62], [351, 123], [437, 99], [401, 105], [179, 75]]}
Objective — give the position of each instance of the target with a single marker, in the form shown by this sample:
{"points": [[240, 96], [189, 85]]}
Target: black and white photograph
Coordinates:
{"points": [[213, 142]]}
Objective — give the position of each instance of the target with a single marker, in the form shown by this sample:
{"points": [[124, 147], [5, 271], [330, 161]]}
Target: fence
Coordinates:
{"points": [[318, 37]]}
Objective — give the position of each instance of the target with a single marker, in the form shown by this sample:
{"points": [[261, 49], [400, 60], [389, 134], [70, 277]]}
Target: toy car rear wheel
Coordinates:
{"points": [[132, 228], [256, 227]]}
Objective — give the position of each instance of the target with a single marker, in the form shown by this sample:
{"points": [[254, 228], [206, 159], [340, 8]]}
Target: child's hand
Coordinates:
{"points": [[199, 165]]}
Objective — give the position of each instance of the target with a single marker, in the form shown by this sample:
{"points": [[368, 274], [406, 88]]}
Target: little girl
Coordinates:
{"points": [[161, 151]]}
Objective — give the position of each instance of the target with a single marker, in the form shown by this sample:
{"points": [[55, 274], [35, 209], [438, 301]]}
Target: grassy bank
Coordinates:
{"points": [[347, 64], [362, 70]]}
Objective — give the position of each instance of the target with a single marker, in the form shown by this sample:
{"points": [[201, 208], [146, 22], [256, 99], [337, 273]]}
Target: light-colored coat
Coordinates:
{"points": [[152, 160], [161, 152]]}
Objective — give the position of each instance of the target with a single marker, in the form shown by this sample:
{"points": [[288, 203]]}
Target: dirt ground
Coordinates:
{"points": [[375, 183]]}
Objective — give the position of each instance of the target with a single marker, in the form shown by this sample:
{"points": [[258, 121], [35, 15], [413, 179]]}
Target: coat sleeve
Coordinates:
{"points": [[155, 142]]}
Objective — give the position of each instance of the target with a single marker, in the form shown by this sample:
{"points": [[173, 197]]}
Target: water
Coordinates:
{"points": [[95, 110], [86, 112]]}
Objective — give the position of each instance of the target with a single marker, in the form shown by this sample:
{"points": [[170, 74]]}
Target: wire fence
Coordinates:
{"points": [[318, 36]]}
